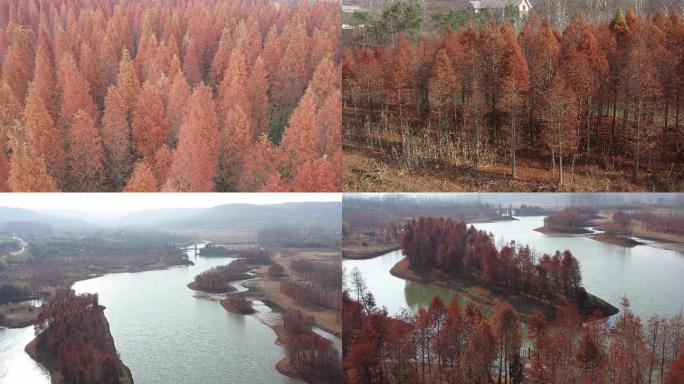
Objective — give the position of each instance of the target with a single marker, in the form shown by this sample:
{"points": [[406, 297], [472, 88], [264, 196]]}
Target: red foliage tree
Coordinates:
{"points": [[149, 128], [116, 137], [197, 154], [86, 157], [142, 179]]}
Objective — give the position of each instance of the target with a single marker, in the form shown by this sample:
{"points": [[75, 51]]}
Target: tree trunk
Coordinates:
{"points": [[638, 141], [560, 163], [513, 136]]}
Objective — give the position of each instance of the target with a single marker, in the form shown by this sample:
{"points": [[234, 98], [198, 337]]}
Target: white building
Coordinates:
{"points": [[524, 6]]}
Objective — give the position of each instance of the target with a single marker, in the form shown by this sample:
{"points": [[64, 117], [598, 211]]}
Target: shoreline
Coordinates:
{"points": [[45, 295], [361, 254], [474, 292], [616, 240]]}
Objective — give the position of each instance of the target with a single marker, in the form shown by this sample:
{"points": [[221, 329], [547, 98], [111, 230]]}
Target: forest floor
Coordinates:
{"points": [[476, 292], [367, 170]]}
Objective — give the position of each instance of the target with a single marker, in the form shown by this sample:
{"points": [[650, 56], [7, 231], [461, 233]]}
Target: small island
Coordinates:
{"points": [[70, 328], [571, 220], [449, 255], [218, 279]]}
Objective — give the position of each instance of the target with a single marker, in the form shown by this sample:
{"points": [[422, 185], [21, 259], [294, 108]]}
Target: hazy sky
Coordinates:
{"points": [[112, 202]]}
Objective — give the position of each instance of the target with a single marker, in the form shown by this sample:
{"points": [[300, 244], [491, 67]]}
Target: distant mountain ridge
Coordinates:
{"points": [[230, 216]]}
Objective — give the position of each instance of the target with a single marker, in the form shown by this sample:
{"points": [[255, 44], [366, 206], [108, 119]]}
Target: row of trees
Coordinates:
{"points": [[446, 343], [660, 223], [433, 345], [604, 93], [188, 96], [452, 248], [621, 225], [570, 219], [256, 256], [327, 275], [313, 356], [217, 279], [311, 294], [73, 339]]}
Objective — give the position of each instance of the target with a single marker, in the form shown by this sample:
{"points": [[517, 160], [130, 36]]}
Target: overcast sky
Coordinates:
{"points": [[118, 202]]}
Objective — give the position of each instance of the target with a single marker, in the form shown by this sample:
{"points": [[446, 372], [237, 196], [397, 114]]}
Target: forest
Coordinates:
{"points": [[74, 343], [447, 343], [498, 105], [452, 248], [177, 95], [570, 219]]}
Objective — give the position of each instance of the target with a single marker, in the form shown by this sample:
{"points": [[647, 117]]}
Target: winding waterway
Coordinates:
{"points": [[165, 334], [651, 277]]}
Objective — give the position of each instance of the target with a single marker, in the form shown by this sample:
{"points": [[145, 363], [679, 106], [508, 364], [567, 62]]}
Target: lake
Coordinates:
{"points": [[165, 334], [650, 277]]}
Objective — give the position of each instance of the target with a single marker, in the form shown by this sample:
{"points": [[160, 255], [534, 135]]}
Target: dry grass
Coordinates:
{"points": [[376, 169]]}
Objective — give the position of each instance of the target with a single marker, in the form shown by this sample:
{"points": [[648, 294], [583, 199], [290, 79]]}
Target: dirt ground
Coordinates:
{"points": [[326, 319], [367, 171]]}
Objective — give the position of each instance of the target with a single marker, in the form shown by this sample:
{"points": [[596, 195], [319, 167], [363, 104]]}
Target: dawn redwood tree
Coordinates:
{"points": [[10, 111], [641, 88], [28, 172], [44, 82], [513, 83], [299, 141], [329, 120], [236, 138], [507, 330], [233, 88], [116, 134], [17, 64], [179, 94], [86, 157], [399, 81], [75, 93], [43, 136], [258, 97], [317, 175], [127, 81], [4, 172], [291, 76], [627, 348], [196, 157], [262, 165], [442, 89], [676, 372], [558, 111], [542, 50], [149, 128], [142, 179]]}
